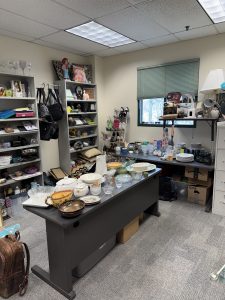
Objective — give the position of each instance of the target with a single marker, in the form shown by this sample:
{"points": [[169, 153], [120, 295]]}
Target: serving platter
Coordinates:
{"points": [[90, 199], [90, 177], [148, 168]]}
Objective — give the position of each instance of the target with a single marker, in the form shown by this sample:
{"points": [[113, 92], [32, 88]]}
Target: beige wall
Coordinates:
{"points": [[120, 82], [42, 70], [116, 79]]}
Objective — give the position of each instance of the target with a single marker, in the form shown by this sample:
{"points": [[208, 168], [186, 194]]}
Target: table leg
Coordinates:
{"points": [[60, 269], [43, 275], [154, 210]]}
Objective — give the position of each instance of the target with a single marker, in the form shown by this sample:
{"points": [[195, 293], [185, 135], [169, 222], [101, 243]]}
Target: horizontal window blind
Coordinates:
{"points": [[175, 77]]}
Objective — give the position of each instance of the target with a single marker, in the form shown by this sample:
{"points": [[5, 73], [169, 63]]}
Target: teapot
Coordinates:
{"points": [[65, 184], [80, 189]]}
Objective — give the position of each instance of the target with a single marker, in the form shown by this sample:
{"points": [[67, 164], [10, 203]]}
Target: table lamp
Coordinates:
{"points": [[212, 84]]}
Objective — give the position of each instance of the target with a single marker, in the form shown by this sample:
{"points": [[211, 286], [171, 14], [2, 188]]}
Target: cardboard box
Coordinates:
{"points": [[198, 194], [195, 173], [141, 218], [207, 183], [128, 231]]}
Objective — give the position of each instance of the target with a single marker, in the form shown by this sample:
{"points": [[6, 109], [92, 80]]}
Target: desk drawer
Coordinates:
{"points": [[221, 138], [219, 181], [219, 203], [220, 160]]}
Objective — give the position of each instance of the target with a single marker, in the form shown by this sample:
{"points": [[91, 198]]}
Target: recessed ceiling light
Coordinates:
{"points": [[215, 9], [100, 34]]}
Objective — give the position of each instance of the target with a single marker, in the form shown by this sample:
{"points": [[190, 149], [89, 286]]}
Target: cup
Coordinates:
{"points": [[144, 149], [108, 189], [96, 188], [118, 183]]}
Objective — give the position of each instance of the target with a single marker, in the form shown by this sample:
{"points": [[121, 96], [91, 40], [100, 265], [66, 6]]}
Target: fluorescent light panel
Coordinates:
{"points": [[215, 9], [100, 34]]}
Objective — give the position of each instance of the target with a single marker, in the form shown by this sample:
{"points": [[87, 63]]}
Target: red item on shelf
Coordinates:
{"points": [[116, 123], [25, 114]]}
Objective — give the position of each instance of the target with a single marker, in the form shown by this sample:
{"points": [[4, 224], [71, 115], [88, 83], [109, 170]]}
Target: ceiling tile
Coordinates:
{"points": [[133, 23], [220, 27], [46, 12], [196, 33], [131, 47], [94, 8], [176, 14], [16, 35], [74, 42], [58, 47], [162, 40], [108, 52], [20, 25]]}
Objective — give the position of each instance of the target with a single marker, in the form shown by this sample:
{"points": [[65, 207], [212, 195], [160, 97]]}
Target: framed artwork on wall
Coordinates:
{"points": [[78, 71]]}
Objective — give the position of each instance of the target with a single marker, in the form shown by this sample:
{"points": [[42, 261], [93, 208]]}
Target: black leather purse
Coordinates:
{"points": [[54, 105], [48, 130]]}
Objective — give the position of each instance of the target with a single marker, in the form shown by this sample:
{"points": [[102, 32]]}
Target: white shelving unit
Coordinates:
{"points": [[218, 206], [66, 151], [13, 103]]}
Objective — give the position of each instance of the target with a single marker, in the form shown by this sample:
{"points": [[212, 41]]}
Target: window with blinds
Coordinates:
{"points": [[154, 83]]}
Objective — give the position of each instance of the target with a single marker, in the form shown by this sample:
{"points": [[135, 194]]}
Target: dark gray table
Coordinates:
{"points": [[157, 160], [70, 241], [160, 162]]}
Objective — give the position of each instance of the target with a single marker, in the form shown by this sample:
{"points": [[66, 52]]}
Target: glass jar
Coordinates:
{"points": [[95, 188]]}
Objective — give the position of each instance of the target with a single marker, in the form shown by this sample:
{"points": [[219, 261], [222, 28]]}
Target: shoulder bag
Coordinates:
{"points": [[54, 105]]}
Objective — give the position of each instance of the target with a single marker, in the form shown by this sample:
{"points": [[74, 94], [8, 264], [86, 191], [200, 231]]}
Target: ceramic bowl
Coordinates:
{"points": [[71, 208], [90, 177]]}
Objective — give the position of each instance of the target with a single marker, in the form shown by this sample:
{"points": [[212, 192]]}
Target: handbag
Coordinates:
{"points": [[43, 111], [13, 273], [54, 105], [48, 130]]}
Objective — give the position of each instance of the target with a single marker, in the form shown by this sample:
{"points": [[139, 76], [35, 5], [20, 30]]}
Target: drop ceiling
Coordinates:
{"points": [[150, 23]]}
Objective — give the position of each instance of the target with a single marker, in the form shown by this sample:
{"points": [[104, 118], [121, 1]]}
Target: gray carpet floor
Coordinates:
{"points": [[169, 258]]}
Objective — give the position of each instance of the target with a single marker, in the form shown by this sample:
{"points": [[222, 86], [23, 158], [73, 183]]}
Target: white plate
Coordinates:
{"points": [[90, 199], [151, 167], [35, 202], [142, 165], [185, 157], [90, 177]]}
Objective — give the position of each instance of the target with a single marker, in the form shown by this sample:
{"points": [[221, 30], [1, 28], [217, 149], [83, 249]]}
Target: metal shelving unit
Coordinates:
{"points": [[13, 103], [18, 133], [23, 163], [18, 119], [66, 142], [82, 113], [85, 148], [13, 181], [82, 137], [18, 148]]}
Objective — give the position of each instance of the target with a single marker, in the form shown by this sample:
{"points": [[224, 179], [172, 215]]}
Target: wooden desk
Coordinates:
{"points": [[70, 241]]}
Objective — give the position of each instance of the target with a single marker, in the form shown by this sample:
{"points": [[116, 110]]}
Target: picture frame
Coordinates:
{"points": [[78, 74], [16, 87], [57, 65]]}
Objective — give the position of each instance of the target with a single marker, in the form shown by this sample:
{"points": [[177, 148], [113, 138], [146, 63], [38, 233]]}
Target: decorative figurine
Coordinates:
{"points": [[65, 68], [85, 96]]}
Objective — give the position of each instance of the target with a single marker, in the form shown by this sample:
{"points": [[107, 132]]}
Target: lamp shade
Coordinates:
{"points": [[213, 81]]}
